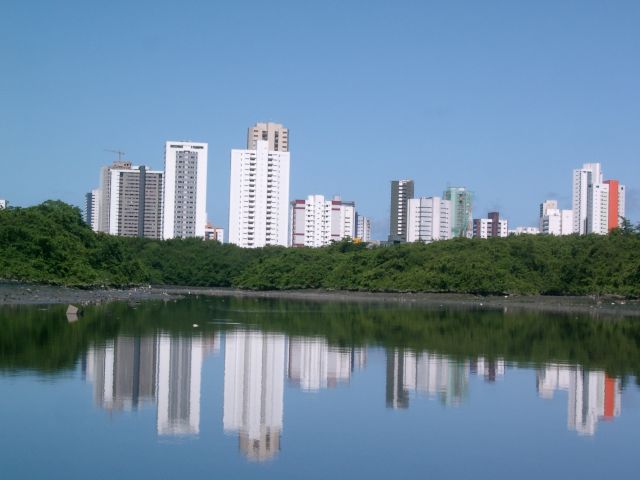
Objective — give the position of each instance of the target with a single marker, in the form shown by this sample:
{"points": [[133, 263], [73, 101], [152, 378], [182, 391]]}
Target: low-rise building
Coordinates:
{"points": [[557, 222], [525, 231], [214, 233], [490, 227]]}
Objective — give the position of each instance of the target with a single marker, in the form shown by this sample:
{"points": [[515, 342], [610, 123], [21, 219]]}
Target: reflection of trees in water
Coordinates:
{"points": [[44, 341]]}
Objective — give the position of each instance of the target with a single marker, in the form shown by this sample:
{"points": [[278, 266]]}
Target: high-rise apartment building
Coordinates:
{"points": [[259, 196], [401, 192], [185, 191], [461, 211], [428, 219], [598, 208], [316, 222], [104, 202], [363, 228], [276, 135], [129, 201], [583, 178], [92, 209], [616, 204], [343, 219]]}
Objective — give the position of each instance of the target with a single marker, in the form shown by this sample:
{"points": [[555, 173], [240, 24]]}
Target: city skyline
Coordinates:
{"points": [[136, 201], [526, 96]]}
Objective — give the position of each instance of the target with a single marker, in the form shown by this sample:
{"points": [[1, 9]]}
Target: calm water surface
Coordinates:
{"points": [[228, 388]]}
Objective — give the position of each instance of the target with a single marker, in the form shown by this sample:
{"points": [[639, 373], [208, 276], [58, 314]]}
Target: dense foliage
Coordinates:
{"points": [[49, 243], [43, 340]]}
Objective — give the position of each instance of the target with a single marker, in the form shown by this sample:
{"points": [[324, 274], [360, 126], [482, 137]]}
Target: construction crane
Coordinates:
{"points": [[120, 153]]}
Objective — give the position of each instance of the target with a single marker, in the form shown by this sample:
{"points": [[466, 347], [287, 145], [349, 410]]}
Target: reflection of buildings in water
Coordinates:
{"points": [[442, 377], [491, 369], [424, 373], [179, 376], [123, 372], [397, 395], [129, 371], [592, 395], [313, 364], [254, 391], [358, 358]]}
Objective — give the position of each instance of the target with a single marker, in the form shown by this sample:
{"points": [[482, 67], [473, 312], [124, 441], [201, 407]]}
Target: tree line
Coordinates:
{"points": [[50, 243]]}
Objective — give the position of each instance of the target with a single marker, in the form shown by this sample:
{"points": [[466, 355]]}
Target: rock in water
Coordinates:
{"points": [[72, 313]]}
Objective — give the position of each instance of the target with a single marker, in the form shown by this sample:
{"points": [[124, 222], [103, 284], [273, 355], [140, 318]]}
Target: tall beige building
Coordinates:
{"points": [[274, 133]]}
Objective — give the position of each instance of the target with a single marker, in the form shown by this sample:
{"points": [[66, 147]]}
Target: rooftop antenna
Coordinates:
{"points": [[120, 153]]}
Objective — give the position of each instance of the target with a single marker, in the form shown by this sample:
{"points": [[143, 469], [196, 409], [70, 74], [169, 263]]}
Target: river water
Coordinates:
{"points": [[242, 388]]}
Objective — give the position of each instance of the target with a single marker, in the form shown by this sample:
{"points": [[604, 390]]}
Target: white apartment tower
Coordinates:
{"points": [[583, 178], [185, 192], [343, 219], [310, 221], [598, 208], [276, 135], [363, 228], [259, 196], [104, 203], [316, 222], [428, 219], [401, 192]]}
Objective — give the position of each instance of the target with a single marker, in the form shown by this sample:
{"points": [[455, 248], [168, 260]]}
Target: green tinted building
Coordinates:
{"points": [[461, 216]]}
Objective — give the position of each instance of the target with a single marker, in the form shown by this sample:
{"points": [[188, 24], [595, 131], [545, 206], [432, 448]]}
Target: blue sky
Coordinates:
{"points": [[503, 97]]}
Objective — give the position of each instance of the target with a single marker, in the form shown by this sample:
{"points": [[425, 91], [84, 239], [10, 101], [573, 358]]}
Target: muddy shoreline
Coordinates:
{"points": [[29, 294]]}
